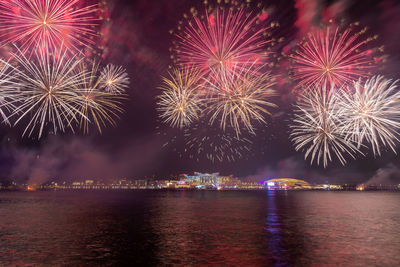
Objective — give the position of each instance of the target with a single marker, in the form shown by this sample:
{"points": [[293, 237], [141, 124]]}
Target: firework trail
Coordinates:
{"points": [[328, 57], [46, 82], [222, 39], [180, 103], [95, 105], [206, 141], [40, 24], [316, 128], [242, 98], [114, 79], [371, 112]]}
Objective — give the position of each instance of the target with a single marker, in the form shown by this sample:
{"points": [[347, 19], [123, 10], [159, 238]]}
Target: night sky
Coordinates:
{"points": [[139, 39]]}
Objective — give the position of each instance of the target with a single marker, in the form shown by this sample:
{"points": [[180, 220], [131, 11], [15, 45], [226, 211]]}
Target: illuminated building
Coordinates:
{"points": [[139, 184], [182, 185], [201, 179], [171, 184], [228, 182], [327, 187], [224, 180], [286, 184]]}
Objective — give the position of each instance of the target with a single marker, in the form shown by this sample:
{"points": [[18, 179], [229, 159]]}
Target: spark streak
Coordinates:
{"points": [[328, 57], [180, 103], [371, 112], [316, 128], [46, 24]]}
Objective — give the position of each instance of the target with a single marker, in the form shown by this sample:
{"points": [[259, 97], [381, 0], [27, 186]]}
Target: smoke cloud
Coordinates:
{"points": [[388, 175], [79, 158]]}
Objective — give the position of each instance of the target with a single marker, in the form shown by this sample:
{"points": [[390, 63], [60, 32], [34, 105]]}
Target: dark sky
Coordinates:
{"points": [[139, 40]]}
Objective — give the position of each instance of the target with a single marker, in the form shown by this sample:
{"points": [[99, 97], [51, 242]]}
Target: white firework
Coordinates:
{"points": [[241, 97], [316, 128], [180, 102], [114, 79], [99, 107], [9, 90], [371, 113], [46, 95]]}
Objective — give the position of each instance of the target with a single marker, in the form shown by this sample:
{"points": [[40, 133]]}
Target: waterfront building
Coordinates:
{"points": [[228, 182], [139, 184], [327, 187], [182, 185], [286, 184], [201, 179]]}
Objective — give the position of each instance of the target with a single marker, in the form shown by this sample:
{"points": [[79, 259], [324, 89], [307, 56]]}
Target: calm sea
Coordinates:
{"points": [[158, 228]]}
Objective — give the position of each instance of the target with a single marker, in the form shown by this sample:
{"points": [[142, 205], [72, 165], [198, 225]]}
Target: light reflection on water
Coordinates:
{"points": [[200, 228]]}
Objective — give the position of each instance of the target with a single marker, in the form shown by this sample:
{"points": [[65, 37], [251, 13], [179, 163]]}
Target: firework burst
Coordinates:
{"points": [[39, 24], [240, 99], [9, 90], [114, 79], [371, 112], [96, 105], [316, 128], [222, 39], [46, 82], [180, 103], [328, 57]]}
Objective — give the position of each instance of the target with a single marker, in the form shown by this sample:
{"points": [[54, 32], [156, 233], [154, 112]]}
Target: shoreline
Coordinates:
{"points": [[195, 190]]}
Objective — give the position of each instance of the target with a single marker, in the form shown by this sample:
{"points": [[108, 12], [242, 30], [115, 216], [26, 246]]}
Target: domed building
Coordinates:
{"points": [[286, 184]]}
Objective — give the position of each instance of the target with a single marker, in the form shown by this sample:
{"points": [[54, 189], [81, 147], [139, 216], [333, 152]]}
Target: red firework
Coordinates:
{"points": [[223, 39], [328, 58], [37, 24]]}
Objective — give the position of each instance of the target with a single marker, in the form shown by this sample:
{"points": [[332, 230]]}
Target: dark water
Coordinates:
{"points": [[200, 228]]}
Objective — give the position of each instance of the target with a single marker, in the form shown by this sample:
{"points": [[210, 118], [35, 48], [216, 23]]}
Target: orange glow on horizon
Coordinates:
{"points": [[30, 188]]}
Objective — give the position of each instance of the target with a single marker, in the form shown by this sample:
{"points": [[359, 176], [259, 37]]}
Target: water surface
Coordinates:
{"points": [[256, 228]]}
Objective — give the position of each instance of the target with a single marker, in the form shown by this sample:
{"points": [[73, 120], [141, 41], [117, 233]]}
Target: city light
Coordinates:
{"points": [[197, 181]]}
